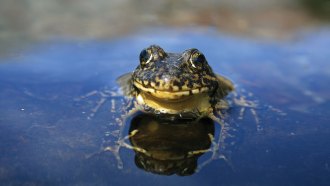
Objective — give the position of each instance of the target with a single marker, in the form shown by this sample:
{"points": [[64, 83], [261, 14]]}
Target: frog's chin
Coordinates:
{"points": [[168, 95], [180, 105]]}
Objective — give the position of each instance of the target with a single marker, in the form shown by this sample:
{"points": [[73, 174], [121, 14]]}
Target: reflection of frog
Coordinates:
{"points": [[179, 85], [169, 147]]}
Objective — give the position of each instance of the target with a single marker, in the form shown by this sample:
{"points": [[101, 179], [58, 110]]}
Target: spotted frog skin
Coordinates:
{"points": [[181, 85]]}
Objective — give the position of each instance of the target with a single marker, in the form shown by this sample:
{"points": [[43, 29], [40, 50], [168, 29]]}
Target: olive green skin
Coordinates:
{"points": [[178, 84], [174, 72]]}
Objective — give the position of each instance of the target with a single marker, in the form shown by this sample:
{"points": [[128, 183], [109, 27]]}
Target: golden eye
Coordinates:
{"points": [[145, 57], [197, 59]]}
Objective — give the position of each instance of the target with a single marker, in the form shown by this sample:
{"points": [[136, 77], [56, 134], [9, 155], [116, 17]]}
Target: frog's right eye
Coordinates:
{"points": [[145, 57]]}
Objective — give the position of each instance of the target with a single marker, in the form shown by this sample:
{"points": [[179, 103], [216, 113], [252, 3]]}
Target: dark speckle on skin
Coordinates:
{"points": [[173, 69], [181, 85]]}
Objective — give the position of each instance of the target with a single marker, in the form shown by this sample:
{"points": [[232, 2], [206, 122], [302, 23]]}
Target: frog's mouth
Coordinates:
{"points": [[170, 94]]}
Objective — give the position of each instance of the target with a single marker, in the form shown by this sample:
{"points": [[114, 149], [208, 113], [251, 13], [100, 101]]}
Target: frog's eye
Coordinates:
{"points": [[197, 59], [145, 57]]}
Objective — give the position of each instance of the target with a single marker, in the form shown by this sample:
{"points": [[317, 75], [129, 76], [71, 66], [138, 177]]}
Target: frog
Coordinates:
{"points": [[171, 87], [176, 86]]}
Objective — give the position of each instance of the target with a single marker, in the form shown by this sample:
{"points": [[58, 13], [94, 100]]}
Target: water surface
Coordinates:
{"points": [[48, 139]]}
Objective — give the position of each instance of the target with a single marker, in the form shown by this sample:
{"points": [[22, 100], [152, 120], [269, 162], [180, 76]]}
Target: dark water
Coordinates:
{"points": [[47, 138]]}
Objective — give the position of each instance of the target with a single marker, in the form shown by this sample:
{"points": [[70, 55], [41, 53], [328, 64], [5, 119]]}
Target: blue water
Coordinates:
{"points": [[47, 138]]}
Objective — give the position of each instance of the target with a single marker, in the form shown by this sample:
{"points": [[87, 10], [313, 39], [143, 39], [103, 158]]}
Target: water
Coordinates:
{"points": [[47, 138]]}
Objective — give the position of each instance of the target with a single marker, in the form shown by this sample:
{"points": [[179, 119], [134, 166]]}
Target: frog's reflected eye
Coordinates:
{"points": [[197, 59], [145, 57]]}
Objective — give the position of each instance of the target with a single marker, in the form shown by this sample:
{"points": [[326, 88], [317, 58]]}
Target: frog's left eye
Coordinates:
{"points": [[197, 59], [145, 57]]}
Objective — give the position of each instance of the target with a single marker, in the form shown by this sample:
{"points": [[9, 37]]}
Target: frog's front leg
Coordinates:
{"points": [[215, 154], [128, 109], [224, 128], [218, 116], [126, 145]]}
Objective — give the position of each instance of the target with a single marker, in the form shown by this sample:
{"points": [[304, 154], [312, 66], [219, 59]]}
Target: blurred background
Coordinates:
{"points": [[26, 21]]}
